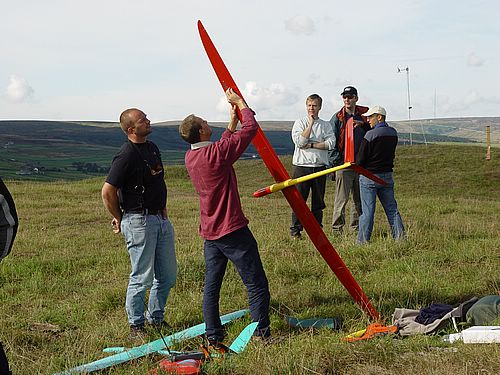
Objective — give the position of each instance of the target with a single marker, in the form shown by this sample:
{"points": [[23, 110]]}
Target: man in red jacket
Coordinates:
{"points": [[222, 222], [347, 179]]}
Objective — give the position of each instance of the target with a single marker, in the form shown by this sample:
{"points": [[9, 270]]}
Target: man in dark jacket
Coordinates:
{"points": [[376, 154], [347, 179]]}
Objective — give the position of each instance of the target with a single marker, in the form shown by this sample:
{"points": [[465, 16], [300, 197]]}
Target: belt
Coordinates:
{"points": [[145, 211]]}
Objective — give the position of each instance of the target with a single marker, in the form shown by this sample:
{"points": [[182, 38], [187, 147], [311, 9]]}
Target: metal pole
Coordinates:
{"points": [[488, 143], [409, 103], [400, 70], [435, 103]]}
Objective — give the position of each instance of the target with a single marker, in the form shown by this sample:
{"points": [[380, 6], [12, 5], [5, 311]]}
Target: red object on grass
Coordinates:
{"points": [[279, 173], [186, 367]]}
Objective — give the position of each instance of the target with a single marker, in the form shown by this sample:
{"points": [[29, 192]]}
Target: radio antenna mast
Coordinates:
{"points": [[407, 70]]}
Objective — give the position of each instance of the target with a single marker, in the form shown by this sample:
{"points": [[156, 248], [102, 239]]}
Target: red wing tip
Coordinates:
{"points": [[261, 192]]}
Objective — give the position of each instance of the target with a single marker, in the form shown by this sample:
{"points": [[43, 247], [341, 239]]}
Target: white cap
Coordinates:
{"points": [[375, 109]]}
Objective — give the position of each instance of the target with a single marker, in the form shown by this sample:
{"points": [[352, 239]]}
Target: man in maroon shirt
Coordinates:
{"points": [[222, 222]]}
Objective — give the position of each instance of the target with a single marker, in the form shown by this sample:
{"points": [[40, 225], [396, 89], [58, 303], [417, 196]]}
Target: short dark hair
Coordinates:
{"points": [[189, 129], [315, 97]]}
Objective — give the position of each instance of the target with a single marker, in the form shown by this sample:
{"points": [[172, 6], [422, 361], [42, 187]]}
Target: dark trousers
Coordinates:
{"points": [[241, 249], [317, 188]]}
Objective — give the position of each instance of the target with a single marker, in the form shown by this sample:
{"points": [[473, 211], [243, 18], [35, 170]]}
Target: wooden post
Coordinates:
{"points": [[488, 143]]}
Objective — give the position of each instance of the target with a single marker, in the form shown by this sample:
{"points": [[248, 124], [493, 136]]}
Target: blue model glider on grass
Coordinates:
{"points": [[156, 346]]}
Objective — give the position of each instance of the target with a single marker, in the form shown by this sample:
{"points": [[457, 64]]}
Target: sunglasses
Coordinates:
{"points": [[348, 96]]}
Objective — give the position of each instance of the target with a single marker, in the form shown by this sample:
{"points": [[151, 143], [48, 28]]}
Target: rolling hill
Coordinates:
{"points": [[49, 150]]}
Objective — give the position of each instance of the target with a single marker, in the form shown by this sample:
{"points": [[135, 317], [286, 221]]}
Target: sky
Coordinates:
{"points": [[90, 60]]}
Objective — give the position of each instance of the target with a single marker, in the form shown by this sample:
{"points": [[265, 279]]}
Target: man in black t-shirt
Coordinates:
{"points": [[136, 196]]}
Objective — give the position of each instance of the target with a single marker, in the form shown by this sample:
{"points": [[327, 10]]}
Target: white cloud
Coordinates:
{"points": [[336, 102], [461, 105], [472, 98], [19, 90], [313, 78], [300, 25], [474, 60], [274, 100]]}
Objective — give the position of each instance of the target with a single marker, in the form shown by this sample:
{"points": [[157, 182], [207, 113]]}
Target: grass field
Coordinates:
{"points": [[62, 289]]}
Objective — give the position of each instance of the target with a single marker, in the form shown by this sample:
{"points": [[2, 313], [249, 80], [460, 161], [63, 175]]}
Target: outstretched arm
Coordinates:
{"points": [[235, 143], [233, 122], [236, 101]]}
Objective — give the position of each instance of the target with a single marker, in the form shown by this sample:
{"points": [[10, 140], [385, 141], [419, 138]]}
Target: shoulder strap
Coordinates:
{"points": [[139, 187]]}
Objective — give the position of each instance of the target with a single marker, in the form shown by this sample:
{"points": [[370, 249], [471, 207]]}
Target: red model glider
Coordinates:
{"points": [[292, 195]]}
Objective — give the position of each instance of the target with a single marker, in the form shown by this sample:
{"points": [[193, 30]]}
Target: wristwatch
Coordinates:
{"points": [[312, 145]]}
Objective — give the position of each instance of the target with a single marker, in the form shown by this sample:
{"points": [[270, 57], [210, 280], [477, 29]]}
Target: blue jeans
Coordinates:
{"points": [[150, 244], [369, 191], [241, 249]]}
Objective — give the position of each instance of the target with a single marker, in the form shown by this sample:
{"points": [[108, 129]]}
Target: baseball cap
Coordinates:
{"points": [[375, 109], [349, 90]]}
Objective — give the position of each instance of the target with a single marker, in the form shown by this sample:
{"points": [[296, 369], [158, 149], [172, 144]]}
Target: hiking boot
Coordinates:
{"points": [[215, 347], [160, 326], [137, 333], [215, 342]]}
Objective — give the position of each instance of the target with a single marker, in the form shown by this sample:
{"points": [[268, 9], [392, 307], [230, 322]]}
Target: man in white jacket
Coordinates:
{"points": [[313, 138]]}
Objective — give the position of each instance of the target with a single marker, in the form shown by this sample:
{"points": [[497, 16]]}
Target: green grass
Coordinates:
{"points": [[68, 269]]}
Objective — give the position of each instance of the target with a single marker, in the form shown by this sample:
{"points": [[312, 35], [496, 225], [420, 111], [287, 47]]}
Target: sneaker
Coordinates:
{"points": [[215, 346], [296, 236], [137, 333], [215, 342], [263, 332]]}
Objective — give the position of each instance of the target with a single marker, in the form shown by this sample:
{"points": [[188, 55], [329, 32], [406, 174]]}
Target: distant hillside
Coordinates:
{"points": [[165, 135], [470, 129], [48, 150]]}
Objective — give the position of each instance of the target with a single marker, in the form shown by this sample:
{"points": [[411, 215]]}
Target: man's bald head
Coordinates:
{"points": [[127, 118]]}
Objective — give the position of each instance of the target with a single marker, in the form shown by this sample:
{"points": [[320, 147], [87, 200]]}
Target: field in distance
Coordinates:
{"points": [[51, 150]]}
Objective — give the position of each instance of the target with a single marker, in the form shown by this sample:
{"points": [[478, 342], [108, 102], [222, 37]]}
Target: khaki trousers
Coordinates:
{"points": [[346, 181]]}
